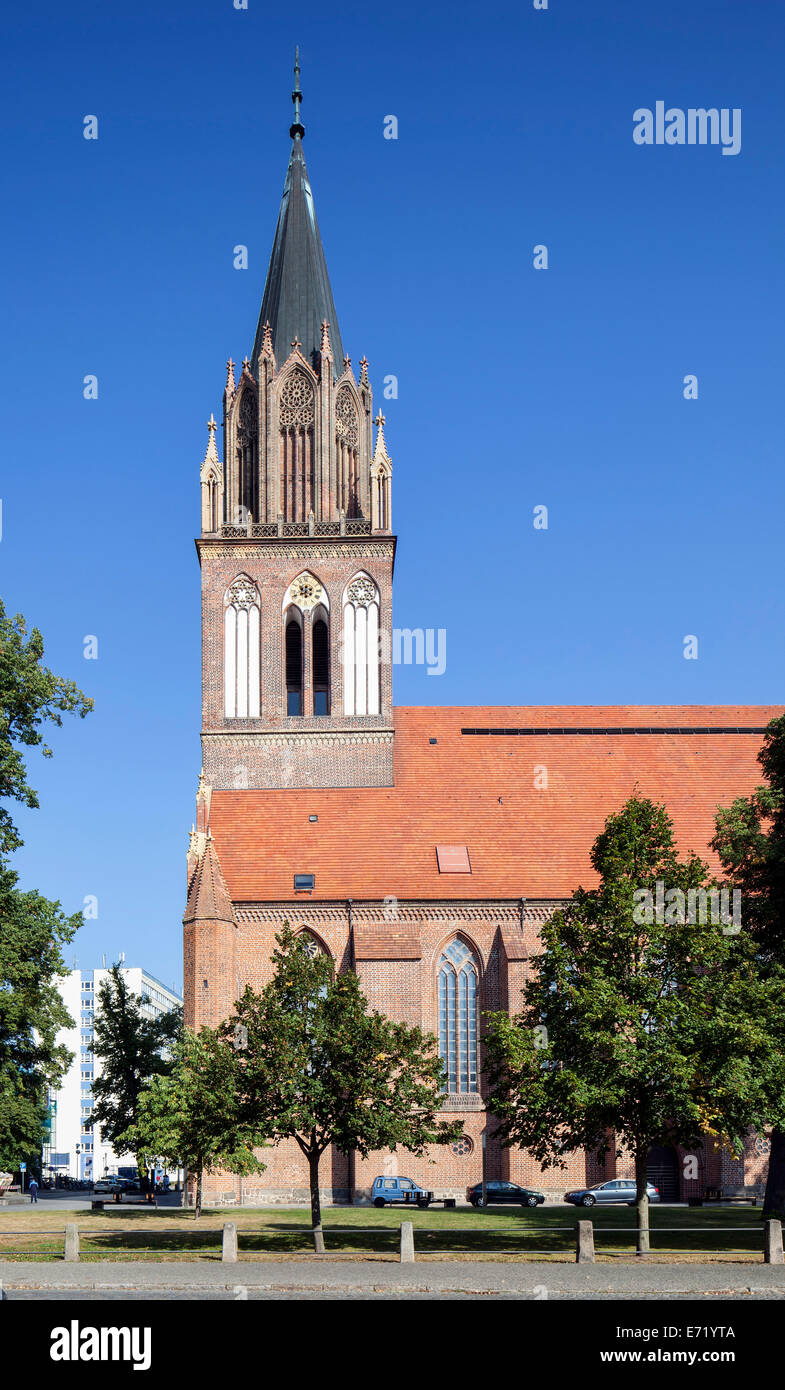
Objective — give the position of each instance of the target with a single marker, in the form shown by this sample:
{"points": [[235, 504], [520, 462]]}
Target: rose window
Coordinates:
{"points": [[296, 404]]}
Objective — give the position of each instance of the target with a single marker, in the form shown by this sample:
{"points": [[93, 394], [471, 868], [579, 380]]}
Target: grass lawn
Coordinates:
{"points": [[171, 1234]]}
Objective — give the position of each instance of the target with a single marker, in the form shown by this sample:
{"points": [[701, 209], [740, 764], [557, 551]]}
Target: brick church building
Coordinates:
{"points": [[420, 847]]}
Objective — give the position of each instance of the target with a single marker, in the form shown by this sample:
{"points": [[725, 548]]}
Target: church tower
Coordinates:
{"points": [[296, 547]]}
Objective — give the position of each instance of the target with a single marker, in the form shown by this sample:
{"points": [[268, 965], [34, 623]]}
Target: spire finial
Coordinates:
{"points": [[297, 128]]}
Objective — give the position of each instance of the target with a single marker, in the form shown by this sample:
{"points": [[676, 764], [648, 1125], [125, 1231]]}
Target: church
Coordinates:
{"points": [[420, 847]]}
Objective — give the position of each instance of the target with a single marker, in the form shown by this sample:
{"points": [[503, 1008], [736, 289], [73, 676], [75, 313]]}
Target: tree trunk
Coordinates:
{"points": [[316, 1206], [198, 1199], [642, 1198], [774, 1200]]}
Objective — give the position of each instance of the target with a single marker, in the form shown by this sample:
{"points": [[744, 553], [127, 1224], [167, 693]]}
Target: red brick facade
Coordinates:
{"points": [[420, 826]]}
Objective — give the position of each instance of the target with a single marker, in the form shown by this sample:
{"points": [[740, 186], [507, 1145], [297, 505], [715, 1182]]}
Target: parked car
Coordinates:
{"points": [[107, 1185], [386, 1191], [617, 1190], [509, 1192]]}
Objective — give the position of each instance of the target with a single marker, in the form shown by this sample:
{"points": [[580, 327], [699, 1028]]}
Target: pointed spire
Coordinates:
{"points": [[211, 453], [364, 371], [229, 388], [211, 464], [208, 896], [297, 294], [325, 348], [267, 349], [297, 128], [380, 452]]}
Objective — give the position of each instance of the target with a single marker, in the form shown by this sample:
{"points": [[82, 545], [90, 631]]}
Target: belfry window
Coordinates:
{"points": [[294, 665], [458, 997], [321, 665], [241, 649]]}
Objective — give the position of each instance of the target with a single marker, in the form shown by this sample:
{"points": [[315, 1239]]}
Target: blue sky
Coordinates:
{"points": [[517, 387]]}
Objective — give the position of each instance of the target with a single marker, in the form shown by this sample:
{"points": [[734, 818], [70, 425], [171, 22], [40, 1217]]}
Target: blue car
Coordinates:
{"points": [[387, 1191]]}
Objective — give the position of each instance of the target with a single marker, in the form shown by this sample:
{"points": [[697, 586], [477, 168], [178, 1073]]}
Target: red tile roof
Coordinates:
{"points": [[481, 792]]}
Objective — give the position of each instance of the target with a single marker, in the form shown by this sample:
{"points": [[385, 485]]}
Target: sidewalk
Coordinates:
{"points": [[327, 1277]]}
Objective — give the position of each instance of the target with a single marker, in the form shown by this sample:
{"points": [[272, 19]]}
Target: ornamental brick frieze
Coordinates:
{"points": [[297, 740], [436, 914], [310, 916], [317, 550]]}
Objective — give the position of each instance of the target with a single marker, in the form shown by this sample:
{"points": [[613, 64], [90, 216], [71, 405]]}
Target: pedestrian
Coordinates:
{"points": [[33, 1190]]}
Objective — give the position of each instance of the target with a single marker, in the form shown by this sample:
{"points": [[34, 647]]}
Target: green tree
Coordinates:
{"points": [[132, 1048], [750, 841], [636, 1021], [33, 931], [30, 696], [315, 1065], [190, 1117]]}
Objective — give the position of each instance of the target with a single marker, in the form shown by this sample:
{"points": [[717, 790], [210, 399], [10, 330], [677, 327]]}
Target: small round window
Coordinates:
{"points": [[762, 1146], [462, 1146]]}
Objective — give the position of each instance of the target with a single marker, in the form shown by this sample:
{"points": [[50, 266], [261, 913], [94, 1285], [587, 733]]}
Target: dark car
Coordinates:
{"points": [[508, 1192], [617, 1190]]}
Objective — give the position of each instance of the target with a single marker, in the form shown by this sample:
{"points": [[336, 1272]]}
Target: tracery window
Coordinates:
{"points": [[347, 441], [458, 998], [361, 604], [248, 455], [241, 649], [296, 421]]}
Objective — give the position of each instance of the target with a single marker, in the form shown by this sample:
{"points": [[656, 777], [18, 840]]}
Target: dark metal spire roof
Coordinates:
{"points": [[297, 293]]}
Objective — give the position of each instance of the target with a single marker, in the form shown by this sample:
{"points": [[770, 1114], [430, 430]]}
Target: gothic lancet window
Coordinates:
{"points": [[306, 619], [241, 649], [458, 999], [347, 438], [247, 457], [296, 421], [361, 646], [294, 663], [320, 638]]}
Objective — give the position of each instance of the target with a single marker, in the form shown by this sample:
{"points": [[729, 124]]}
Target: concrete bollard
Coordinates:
{"points": [[584, 1253], [772, 1243], [71, 1243], [229, 1251], [407, 1243]]}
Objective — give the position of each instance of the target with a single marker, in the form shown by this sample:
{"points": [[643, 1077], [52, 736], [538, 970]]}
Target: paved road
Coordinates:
{"points": [[364, 1279]]}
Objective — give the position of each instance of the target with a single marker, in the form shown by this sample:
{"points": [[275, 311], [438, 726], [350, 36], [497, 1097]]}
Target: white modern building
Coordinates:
{"points": [[75, 1148]]}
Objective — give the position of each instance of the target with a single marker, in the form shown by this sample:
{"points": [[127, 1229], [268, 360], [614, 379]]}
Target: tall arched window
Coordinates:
{"points": [[458, 980], [361, 646], [248, 456], [347, 441], [241, 649], [294, 662], [320, 662], [306, 619]]}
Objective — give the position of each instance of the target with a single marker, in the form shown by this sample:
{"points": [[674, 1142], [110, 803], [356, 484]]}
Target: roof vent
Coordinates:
{"points": [[313, 818], [433, 740]]}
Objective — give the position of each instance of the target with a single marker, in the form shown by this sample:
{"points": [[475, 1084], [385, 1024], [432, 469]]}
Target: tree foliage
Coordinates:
{"points": [[654, 1031], [132, 1048], [190, 1116], [30, 696], [33, 932], [750, 841], [316, 1066]]}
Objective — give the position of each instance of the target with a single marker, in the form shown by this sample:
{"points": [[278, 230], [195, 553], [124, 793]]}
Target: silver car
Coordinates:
{"points": [[617, 1190]]}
